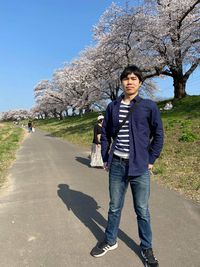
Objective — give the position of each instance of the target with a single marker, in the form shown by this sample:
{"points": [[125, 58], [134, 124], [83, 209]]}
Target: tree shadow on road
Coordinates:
{"points": [[86, 210]]}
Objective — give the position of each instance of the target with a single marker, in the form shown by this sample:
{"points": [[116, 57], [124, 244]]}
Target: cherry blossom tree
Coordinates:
{"points": [[162, 37], [117, 48], [49, 99], [77, 82], [16, 115], [169, 40]]}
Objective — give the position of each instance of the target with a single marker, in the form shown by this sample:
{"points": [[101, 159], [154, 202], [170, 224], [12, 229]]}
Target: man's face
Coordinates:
{"points": [[131, 85]]}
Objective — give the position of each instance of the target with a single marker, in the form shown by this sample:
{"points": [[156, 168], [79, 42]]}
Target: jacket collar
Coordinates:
{"points": [[135, 99]]}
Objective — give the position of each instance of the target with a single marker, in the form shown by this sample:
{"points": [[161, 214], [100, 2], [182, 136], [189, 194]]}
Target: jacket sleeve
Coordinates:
{"points": [[157, 135], [106, 135]]}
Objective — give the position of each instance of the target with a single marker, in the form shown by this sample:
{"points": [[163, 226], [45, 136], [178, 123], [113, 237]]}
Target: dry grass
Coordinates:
{"points": [[10, 137]]}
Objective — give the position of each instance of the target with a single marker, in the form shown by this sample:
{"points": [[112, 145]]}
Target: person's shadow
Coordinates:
{"points": [[84, 161], [86, 210]]}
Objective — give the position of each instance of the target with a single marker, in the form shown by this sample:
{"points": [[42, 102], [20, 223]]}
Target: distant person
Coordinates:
{"points": [[131, 140], [168, 106], [30, 126], [96, 158]]}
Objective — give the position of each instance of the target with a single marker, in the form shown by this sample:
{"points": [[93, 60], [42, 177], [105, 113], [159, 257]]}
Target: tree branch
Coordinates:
{"points": [[191, 69], [187, 12]]}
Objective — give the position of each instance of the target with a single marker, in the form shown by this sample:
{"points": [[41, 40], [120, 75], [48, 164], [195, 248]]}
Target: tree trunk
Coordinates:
{"points": [[179, 87], [54, 112], [73, 111], [45, 115], [114, 94], [179, 83], [87, 109], [60, 115]]}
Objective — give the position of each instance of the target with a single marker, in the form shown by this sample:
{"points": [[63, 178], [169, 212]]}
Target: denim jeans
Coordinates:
{"points": [[140, 187]]}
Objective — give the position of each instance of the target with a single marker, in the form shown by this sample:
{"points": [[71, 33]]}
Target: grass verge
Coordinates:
{"points": [[10, 137]]}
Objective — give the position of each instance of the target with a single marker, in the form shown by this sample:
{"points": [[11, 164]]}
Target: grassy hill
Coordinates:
{"points": [[178, 166]]}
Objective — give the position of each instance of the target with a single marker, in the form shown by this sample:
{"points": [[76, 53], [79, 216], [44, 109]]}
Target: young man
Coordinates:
{"points": [[130, 159]]}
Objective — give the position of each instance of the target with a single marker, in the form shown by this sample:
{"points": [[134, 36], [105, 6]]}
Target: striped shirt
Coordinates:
{"points": [[122, 143]]}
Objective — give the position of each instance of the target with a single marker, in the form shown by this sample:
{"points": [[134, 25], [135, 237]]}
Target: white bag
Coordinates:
{"points": [[33, 129]]}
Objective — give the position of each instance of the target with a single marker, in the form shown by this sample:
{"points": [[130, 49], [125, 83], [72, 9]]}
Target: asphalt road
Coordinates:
{"points": [[54, 209]]}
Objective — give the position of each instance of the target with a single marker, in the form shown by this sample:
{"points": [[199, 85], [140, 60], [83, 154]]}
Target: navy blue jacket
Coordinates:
{"points": [[145, 130]]}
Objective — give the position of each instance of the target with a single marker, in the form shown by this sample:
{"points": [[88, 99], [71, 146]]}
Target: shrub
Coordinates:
{"points": [[188, 137]]}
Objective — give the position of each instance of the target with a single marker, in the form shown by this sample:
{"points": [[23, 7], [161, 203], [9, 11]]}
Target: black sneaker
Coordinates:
{"points": [[102, 248], [150, 259]]}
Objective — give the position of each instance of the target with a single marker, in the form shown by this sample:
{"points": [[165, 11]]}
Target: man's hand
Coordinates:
{"points": [[150, 168], [105, 166]]}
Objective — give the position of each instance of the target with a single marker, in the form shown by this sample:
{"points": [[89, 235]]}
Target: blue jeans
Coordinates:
{"points": [[140, 187]]}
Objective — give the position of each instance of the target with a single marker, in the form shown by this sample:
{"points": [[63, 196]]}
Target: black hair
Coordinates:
{"points": [[131, 69]]}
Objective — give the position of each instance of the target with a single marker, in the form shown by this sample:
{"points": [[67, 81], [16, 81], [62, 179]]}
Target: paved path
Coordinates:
{"points": [[54, 210]]}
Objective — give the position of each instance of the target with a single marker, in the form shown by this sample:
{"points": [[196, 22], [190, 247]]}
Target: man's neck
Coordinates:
{"points": [[127, 98]]}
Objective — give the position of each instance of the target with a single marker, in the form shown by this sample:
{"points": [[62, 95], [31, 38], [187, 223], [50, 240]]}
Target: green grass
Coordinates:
{"points": [[75, 129], [178, 166], [10, 137]]}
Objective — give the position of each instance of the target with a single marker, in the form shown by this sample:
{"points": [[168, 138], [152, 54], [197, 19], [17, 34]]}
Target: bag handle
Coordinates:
{"points": [[127, 116]]}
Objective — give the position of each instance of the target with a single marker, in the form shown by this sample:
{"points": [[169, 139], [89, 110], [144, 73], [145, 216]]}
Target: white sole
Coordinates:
{"points": [[111, 248]]}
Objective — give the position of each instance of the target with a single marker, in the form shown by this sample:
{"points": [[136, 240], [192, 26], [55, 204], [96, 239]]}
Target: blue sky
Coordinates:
{"points": [[38, 36]]}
